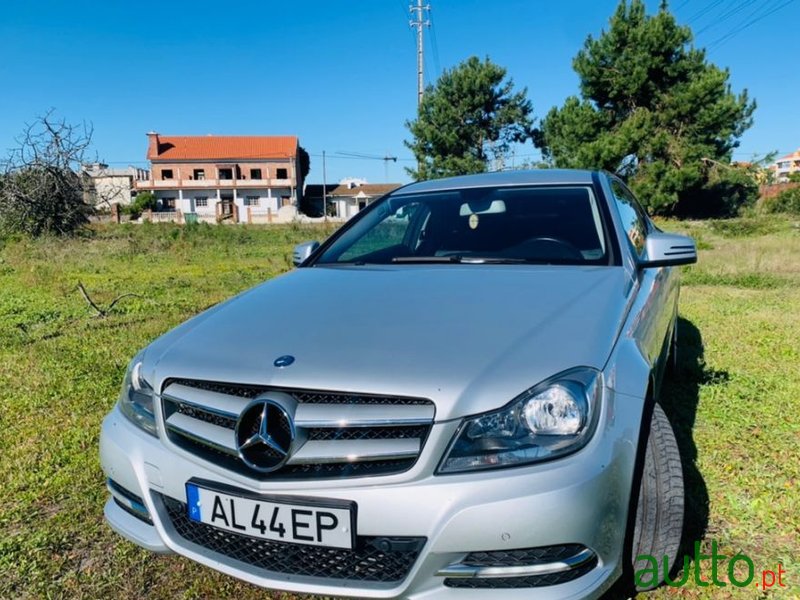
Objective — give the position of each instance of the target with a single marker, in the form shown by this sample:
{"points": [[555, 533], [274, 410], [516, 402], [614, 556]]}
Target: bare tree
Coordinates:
{"points": [[41, 190]]}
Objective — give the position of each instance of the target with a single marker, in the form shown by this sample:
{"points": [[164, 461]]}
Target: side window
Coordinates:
{"points": [[390, 232], [632, 216]]}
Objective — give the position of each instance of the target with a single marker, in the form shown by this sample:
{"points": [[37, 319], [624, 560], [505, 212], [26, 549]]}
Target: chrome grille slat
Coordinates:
{"points": [[340, 433], [222, 404], [334, 451], [354, 415], [203, 432]]}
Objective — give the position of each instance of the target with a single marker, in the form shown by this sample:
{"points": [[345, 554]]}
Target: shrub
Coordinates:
{"points": [[788, 201], [142, 202], [744, 227]]}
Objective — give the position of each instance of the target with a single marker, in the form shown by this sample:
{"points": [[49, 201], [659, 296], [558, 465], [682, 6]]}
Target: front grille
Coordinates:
{"points": [[521, 582], [367, 433], [313, 397], [370, 435], [369, 560], [203, 415], [302, 396]]}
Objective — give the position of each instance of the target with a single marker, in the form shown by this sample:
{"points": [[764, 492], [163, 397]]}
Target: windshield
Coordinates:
{"points": [[546, 225]]}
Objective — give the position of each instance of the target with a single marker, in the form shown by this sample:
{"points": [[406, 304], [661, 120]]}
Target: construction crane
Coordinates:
{"points": [[386, 158]]}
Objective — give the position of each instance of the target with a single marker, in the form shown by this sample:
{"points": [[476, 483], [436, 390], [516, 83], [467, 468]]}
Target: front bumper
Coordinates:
{"points": [[581, 499]]}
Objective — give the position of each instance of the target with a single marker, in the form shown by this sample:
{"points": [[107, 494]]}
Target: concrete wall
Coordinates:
{"points": [[770, 191], [111, 190]]}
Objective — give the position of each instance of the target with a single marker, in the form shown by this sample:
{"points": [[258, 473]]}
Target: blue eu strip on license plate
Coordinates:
{"points": [[317, 524]]}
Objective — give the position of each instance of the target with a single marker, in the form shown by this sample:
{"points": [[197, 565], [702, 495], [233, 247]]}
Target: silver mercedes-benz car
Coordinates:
{"points": [[457, 394]]}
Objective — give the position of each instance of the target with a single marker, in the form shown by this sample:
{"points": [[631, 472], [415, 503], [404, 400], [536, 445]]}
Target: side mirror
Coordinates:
{"points": [[303, 251], [669, 249]]}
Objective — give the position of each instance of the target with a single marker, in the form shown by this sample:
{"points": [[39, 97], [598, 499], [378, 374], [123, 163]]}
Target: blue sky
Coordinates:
{"points": [[340, 75]]}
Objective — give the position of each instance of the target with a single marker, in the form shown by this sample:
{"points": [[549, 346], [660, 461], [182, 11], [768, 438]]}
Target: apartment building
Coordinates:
{"points": [[238, 179], [786, 165]]}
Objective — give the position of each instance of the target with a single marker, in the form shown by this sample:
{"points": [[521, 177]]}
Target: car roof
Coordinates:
{"points": [[499, 178]]}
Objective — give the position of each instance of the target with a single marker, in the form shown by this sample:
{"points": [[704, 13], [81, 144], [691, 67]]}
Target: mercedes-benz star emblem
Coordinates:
{"points": [[283, 361], [264, 435]]}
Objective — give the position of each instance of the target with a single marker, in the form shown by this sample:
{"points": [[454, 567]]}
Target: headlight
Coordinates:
{"points": [[550, 420], [136, 397]]}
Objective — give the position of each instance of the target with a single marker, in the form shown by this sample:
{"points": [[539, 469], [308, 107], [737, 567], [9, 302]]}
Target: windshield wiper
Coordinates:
{"points": [[480, 260], [427, 259]]}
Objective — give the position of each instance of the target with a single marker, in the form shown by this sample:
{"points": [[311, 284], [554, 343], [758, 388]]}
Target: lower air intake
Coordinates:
{"points": [[374, 559]]}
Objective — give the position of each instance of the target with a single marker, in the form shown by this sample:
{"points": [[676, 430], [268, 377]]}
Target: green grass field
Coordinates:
{"points": [[734, 402]]}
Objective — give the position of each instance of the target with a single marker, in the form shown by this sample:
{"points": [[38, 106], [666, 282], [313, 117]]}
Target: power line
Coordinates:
{"points": [[357, 156], [731, 34], [703, 11], [435, 44], [406, 15], [724, 17]]}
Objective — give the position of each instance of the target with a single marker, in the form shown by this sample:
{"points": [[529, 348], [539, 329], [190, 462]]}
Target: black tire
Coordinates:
{"points": [[659, 513]]}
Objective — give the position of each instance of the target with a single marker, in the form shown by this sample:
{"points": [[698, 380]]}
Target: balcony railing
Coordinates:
{"points": [[156, 184]]}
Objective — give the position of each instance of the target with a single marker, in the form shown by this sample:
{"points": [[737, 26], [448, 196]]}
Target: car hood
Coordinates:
{"points": [[468, 337]]}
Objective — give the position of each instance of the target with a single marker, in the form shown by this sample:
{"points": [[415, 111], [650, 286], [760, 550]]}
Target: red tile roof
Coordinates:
{"points": [[220, 147], [795, 154], [372, 190]]}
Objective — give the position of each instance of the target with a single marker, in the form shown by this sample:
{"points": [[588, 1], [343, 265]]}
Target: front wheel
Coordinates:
{"points": [[659, 513]]}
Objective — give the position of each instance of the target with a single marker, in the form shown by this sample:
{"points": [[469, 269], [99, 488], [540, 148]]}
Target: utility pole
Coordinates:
{"points": [[419, 22], [324, 190]]}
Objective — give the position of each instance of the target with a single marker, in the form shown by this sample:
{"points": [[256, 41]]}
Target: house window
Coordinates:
{"points": [[251, 201], [166, 173], [199, 173], [168, 204], [282, 173], [226, 173], [201, 201], [255, 173]]}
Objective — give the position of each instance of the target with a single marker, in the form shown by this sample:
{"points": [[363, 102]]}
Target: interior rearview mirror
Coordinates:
{"points": [[303, 251], [669, 249]]}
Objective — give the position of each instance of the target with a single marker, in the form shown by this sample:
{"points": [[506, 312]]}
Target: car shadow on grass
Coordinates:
{"points": [[680, 395]]}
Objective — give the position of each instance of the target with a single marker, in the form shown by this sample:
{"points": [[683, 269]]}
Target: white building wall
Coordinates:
{"points": [[190, 202], [112, 190], [268, 203], [267, 199]]}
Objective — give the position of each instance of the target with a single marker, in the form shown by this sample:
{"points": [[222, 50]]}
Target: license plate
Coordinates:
{"points": [[307, 521]]}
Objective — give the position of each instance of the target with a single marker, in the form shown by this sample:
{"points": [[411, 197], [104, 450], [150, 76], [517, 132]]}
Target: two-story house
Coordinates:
{"points": [[233, 178], [345, 199], [786, 165]]}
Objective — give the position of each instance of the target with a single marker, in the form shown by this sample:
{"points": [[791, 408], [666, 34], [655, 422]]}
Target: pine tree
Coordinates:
{"points": [[469, 117], [654, 110]]}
